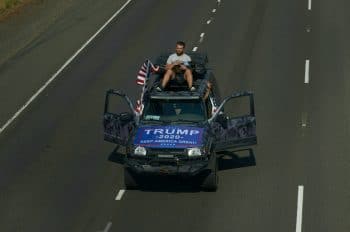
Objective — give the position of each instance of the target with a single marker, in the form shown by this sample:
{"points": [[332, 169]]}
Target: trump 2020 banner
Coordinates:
{"points": [[169, 136]]}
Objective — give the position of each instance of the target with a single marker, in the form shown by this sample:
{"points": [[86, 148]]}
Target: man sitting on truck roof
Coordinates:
{"points": [[178, 63]]}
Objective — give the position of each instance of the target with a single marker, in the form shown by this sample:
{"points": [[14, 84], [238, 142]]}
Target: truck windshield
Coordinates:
{"points": [[175, 110]]}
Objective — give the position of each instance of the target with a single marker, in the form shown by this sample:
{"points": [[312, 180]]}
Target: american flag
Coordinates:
{"points": [[145, 71], [142, 78]]}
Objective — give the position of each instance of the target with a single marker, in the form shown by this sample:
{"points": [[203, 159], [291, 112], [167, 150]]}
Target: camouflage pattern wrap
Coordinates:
{"points": [[117, 129], [234, 129]]}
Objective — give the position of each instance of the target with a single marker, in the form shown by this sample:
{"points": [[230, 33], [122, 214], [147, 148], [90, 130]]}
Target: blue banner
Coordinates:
{"points": [[169, 136]]}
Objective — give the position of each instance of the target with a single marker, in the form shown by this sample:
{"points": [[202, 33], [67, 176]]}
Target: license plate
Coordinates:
{"points": [[166, 156]]}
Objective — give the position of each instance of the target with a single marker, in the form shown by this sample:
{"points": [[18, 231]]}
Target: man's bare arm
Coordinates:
{"points": [[169, 66]]}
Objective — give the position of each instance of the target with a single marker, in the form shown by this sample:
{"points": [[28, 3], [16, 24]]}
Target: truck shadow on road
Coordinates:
{"points": [[116, 156], [227, 160], [236, 159]]}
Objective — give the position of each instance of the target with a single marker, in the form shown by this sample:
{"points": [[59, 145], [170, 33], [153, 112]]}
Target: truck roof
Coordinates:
{"points": [[201, 76]]}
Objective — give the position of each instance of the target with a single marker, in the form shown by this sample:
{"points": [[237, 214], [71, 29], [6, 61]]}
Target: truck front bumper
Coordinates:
{"points": [[169, 166]]}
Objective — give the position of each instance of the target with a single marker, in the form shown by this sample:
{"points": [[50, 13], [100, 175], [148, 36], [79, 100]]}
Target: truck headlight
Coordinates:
{"points": [[140, 151], [194, 152]]}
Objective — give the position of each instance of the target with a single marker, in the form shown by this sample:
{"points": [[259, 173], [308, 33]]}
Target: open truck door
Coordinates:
{"points": [[235, 126], [119, 119]]}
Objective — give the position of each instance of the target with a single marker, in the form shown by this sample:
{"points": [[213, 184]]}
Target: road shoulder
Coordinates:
{"points": [[36, 43]]}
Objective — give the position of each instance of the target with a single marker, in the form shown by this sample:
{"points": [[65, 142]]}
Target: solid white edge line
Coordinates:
{"points": [[307, 72], [194, 49], [300, 208], [120, 195], [32, 98], [309, 5]]}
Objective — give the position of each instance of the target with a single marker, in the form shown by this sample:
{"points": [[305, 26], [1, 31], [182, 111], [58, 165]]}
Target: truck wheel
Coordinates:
{"points": [[129, 179], [211, 181]]}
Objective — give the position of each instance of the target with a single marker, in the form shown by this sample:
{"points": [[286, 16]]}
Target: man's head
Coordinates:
{"points": [[180, 47]]}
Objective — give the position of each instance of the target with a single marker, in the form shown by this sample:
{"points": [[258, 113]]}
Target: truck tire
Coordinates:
{"points": [[211, 181], [129, 179]]}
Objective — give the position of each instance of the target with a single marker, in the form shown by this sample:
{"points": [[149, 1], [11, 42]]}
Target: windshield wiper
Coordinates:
{"points": [[186, 120], [154, 120]]}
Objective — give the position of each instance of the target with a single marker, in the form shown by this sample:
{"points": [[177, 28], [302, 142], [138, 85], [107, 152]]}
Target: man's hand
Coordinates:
{"points": [[178, 62], [169, 66], [183, 67]]}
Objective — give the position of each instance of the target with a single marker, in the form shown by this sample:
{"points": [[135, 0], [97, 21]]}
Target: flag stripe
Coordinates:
{"points": [[146, 68], [141, 73]]}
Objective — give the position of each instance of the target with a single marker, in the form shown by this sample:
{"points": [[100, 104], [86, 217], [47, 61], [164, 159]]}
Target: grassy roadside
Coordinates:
{"points": [[8, 4], [9, 7]]}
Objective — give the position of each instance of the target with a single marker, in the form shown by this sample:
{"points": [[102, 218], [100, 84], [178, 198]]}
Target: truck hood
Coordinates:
{"points": [[169, 136]]}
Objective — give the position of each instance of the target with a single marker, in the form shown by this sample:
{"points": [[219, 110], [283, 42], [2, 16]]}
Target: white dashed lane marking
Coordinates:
{"points": [[307, 72], [107, 228], [304, 119], [120, 195], [298, 227], [209, 21], [309, 5], [201, 37], [308, 28]]}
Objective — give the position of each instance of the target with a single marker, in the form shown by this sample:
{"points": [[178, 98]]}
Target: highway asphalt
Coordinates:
{"points": [[56, 173]]}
